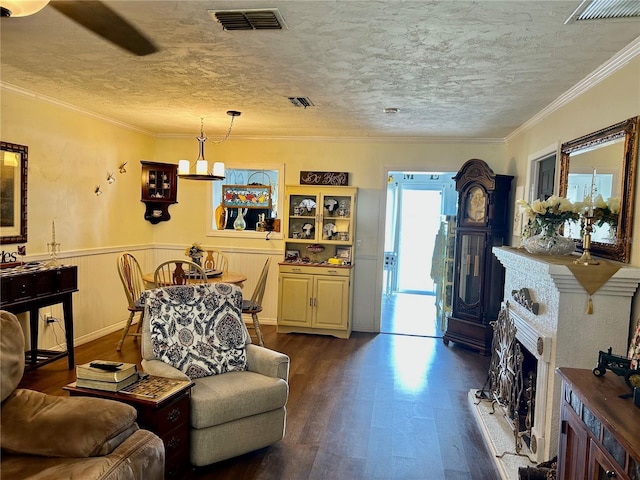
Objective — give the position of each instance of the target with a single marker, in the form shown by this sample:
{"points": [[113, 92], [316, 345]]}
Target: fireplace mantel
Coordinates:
{"points": [[566, 335]]}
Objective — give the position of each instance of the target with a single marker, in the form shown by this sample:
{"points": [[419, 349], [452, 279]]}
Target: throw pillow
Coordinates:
{"points": [[198, 329]]}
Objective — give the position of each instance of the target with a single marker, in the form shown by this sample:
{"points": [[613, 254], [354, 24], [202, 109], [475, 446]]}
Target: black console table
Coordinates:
{"points": [[29, 288]]}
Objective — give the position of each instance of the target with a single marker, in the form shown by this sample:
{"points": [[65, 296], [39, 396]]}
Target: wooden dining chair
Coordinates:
{"points": [[131, 277], [216, 260], [178, 272], [253, 306]]}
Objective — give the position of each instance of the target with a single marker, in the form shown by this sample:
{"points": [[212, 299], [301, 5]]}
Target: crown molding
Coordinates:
{"points": [[400, 139], [73, 108], [615, 63], [408, 139]]}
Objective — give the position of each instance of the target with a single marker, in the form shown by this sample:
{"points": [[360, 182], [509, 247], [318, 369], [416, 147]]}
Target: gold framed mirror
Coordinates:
{"points": [[13, 193], [608, 159]]}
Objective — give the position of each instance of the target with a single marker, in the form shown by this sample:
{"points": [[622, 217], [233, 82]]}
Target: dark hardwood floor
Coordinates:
{"points": [[376, 406]]}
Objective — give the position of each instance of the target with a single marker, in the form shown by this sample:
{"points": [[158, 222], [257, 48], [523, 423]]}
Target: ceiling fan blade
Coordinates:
{"points": [[100, 19]]}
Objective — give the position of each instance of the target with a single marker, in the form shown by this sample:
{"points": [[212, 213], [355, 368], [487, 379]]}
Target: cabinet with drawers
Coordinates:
{"points": [[599, 434], [315, 285]]}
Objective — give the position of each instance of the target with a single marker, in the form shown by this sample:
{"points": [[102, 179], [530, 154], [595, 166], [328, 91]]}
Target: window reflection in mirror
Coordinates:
{"points": [[612, 152], [604, 159], [224, 219]]}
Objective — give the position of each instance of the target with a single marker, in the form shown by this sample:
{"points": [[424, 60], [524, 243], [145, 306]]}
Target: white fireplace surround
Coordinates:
{"points": [[562, 334]]}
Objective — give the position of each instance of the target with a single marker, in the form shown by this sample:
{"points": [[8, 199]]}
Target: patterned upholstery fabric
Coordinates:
{"points": [[198, 329]]}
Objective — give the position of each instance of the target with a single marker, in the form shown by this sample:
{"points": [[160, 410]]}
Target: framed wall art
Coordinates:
{"points": [[13, 193], [246, 196]]}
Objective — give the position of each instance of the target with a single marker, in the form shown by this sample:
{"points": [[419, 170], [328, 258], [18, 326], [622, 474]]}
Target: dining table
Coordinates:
{"points": [[226, 276]]}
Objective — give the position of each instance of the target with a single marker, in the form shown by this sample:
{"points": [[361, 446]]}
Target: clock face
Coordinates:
{"points": [[476, 205]]}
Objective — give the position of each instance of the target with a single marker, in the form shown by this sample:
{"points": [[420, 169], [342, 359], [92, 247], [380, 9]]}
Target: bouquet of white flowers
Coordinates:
{"points": [[545, 216]]}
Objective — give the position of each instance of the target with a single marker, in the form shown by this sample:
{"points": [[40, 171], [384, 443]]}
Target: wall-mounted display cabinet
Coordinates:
{"points": [[315, 285], [159, 190]]}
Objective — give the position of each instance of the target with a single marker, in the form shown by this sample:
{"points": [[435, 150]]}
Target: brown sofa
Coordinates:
{"points": [[55, 437]]}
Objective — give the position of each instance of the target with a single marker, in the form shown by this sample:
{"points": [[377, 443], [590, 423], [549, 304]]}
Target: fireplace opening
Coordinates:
{"points": [[526, 406], [512, 380]]}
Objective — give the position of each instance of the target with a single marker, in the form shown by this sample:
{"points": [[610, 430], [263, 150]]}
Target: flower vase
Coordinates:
{"points": [[239, 223], [197, 259], [549, 242]]}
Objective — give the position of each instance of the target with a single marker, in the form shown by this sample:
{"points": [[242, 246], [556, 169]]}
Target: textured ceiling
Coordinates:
{"points": [[453, 68]]}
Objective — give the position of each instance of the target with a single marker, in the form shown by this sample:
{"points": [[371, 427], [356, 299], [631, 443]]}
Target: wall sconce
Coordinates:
{"points": [[121, 168], [110, 178], [97, 191]]}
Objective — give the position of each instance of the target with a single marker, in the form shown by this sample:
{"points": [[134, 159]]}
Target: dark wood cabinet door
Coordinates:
{"points": [[572, 447]]}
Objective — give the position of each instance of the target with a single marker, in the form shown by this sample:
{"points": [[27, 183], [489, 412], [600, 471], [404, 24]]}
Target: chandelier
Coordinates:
{"points": [[201, 165]]}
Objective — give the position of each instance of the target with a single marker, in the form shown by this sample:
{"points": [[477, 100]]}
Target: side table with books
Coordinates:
{"points": [[163, 406]]}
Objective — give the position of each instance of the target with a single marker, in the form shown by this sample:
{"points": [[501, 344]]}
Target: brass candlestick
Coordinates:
{"points": [[585, 258]]}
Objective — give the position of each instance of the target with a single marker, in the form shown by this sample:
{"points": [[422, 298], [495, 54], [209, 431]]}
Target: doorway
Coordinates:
{"points": [[416, 202]]}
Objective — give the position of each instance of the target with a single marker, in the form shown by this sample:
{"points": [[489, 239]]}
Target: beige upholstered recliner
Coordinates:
{"points": [[54, 437], [238, 402]]}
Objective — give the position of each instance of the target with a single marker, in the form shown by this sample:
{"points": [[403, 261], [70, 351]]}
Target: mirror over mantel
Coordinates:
{"points": [[612, 153], [13, 193]]}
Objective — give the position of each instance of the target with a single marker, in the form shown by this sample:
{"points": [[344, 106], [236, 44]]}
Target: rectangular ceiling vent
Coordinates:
{"points": [[301, 102], [254, 19], [605, 10]]}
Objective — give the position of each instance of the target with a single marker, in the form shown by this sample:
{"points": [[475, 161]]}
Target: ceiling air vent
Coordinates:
{"points": [[255, 19], [604, 10], [301, 102]]}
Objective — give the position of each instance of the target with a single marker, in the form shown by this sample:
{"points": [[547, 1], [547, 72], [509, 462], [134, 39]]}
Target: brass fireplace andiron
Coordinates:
{"points": [[585, 258]]}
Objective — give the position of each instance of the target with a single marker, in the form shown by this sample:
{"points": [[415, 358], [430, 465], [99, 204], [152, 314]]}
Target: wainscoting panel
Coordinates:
{"points": [[99, 306]]}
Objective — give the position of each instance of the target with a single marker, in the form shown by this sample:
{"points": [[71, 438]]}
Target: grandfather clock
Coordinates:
{"points": [[481, 224]]}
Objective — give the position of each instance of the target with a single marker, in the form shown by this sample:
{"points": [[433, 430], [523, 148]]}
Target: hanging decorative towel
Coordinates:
{"points": [[592, 277]]}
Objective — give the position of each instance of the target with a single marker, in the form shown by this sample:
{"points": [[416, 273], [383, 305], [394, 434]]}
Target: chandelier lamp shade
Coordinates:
{"points": [[202, 171], [21, 8]]}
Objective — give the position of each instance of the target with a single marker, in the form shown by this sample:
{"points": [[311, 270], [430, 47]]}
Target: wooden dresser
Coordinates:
{"points": [[599, 431]]}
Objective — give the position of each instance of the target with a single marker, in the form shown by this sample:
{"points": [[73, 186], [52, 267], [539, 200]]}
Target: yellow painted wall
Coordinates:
{"points": [[69, 155], [71, 152], [611, 101]]}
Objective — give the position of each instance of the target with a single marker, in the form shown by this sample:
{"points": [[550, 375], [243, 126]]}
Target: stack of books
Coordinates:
{"points": [[105, 375]]}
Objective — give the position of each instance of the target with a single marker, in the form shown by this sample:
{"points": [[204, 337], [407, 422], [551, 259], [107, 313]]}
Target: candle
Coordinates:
{"points": [[592, 193], [53, 232]]}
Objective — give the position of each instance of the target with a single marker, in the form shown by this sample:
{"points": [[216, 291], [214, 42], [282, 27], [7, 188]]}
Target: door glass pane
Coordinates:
{"points": [[419, 224]]}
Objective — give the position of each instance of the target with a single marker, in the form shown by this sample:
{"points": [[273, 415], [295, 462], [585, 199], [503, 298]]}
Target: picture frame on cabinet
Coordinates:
{"points": [[344, 253], [292, 255]]}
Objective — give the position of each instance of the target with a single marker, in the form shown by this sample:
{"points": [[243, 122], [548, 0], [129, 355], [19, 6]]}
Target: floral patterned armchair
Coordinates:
{"points": [[238, 401]]}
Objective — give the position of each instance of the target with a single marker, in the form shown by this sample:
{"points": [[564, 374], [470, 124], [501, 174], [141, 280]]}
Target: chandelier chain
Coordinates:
{"points": [[233, 117]]}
